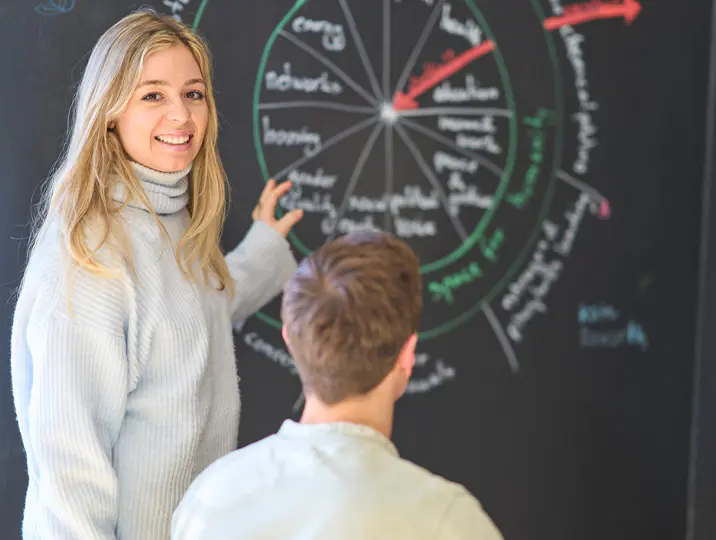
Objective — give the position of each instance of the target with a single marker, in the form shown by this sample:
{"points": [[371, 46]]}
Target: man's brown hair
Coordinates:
{"points": [[348, 310]]}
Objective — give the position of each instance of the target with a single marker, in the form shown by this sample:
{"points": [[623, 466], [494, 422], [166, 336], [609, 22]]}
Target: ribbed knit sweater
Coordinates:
{"points": [[126, 394]]}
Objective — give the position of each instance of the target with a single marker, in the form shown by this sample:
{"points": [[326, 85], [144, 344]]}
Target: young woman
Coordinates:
{"points": [[123, 366]]}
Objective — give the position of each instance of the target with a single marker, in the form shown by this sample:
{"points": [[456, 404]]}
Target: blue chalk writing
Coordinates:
{"points": [[594, 314], [636, 336], [52, 8], [631, 336], [604, 339], [600, 328]]}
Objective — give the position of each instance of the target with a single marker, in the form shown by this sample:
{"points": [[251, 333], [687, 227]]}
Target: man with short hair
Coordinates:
{"points": [[350, 318]]}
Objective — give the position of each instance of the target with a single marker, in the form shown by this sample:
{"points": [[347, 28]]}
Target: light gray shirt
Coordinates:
{"points": [[336, 481]]}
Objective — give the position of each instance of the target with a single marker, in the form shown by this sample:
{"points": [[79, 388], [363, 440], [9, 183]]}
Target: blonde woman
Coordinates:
{"points": [[123, 367]]}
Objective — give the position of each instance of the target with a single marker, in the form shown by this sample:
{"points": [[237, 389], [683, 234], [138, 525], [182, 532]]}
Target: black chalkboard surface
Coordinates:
{"points": [[543, 158]]}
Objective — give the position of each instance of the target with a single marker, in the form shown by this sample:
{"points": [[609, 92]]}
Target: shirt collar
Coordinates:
{"points": [[295, 430]]}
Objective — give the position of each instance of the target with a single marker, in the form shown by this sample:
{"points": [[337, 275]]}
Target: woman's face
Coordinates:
{"points": [[164, 122]]}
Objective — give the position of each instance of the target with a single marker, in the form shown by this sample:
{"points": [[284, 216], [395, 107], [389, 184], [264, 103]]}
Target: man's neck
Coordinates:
{"points": [[369, 411]]}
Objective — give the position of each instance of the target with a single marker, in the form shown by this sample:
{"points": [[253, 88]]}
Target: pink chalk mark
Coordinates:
{"points": [[596, 9], [605, 210]]}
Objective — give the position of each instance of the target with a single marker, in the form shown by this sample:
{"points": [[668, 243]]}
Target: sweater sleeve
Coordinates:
{"points": [[260, 265], [76, 403]]}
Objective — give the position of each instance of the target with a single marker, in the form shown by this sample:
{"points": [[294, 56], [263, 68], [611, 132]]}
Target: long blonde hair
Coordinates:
{"points": [[79, 191]]}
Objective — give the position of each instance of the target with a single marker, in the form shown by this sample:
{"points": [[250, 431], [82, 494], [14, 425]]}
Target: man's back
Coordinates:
{"points": [[335, 481]]}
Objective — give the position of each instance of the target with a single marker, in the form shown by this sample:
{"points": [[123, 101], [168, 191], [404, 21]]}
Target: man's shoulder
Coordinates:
{"points": [[222, 475], [466, 518], [431, 481], [447, 503]]}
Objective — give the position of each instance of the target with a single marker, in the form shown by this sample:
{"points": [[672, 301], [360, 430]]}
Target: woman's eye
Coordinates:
{"points": [[195, 94], [154, 96]]}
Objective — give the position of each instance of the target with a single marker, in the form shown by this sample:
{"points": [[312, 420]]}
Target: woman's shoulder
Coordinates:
{"points": [[56, 286]]}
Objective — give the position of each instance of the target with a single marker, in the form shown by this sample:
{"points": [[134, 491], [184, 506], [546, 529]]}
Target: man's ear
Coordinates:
{"points": [[284, 333], [406, 357], [404, 366]]}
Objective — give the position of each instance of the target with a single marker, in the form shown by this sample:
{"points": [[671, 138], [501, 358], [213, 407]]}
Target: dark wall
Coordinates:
{"points": [[554, 203]]}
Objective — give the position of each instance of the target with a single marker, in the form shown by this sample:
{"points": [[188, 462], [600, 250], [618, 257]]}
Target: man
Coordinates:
{"points": [[350, 316]]}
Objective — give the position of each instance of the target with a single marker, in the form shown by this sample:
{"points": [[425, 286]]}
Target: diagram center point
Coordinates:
{"points": [[388, 113]]}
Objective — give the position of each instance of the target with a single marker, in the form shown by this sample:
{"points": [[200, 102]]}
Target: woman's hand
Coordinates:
{"points": [[266, 208]]}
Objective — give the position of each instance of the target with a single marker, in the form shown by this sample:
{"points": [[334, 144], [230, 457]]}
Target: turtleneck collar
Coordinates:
{"points": [[168, 193]]}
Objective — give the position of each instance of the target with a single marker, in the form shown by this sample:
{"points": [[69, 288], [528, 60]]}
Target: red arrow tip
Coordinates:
{"points": [[402, 102], [631, 10]]}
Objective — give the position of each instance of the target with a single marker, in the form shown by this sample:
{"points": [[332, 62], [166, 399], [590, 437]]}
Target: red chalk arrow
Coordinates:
{"points": [[402, 101], [581, 13]]}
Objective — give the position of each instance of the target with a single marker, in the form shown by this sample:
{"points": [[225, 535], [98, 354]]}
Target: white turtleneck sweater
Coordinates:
{"points": [[124, 399]]}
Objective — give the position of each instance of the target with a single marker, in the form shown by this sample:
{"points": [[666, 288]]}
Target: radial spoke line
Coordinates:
{"points": [[361, 50], [489, 165], [581, 186], [427, 171], [354, 178], [501, 337], [419, 46], [326, 145], [388, 174], [316, 105], [435, 111], [330, 65], [386, 48]]}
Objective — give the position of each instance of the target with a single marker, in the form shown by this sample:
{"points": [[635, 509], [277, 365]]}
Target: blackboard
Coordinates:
{"points": [[543, 158]]}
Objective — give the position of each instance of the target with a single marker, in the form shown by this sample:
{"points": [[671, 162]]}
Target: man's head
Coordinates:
{"points": [[351, 315]]}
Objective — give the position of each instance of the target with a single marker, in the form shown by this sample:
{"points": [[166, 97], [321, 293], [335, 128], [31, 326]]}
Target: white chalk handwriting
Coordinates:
{"points": [[310, 140], [468, 29], [472, 91], [334, 38], [286, 81]]}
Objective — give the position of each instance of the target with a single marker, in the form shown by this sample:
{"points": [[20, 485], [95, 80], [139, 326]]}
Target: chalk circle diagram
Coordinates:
{"points": [[419, 118]]}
